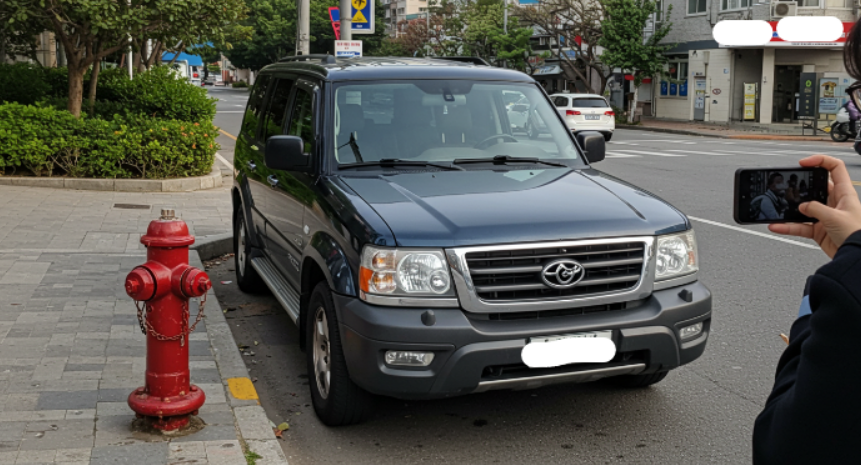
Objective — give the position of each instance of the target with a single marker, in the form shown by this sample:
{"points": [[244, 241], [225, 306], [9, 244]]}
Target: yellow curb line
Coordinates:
{"points": [[857, 183], [242, 388], [227, 134]]}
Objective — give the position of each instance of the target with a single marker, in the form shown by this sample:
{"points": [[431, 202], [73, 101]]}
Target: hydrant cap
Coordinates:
{"points": [[140, 284], [195, 283], [167, 233]]}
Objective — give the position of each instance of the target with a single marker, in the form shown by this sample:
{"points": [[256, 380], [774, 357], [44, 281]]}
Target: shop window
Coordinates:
{"points": [[696, 6], [734, 4], [677, 85]]}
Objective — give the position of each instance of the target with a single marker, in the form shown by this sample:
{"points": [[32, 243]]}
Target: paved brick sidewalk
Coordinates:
{"points": [[71, 350], [735, 130]]}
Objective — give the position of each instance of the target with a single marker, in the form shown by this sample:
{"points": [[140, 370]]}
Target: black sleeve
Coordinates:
{"points": [[814, 410]]}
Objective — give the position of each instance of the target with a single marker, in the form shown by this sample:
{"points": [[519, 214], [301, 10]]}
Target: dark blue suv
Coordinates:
{"points": [[427, 248]]}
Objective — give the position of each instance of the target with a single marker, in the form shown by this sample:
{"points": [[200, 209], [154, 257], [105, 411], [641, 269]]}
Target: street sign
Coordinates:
{"points": [[348, 48], [363, 16], [335, 18]]}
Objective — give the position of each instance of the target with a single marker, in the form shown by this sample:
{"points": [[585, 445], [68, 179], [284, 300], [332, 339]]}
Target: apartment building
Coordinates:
{"points": [[757, 84], [402, 10]]}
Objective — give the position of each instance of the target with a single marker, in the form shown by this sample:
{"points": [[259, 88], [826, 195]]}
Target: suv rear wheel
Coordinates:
{"points": [[246, 276], [337, 399], [638, 381]]}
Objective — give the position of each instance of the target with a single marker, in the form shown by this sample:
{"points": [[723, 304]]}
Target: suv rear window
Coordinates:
{"points": [[589, 103]]}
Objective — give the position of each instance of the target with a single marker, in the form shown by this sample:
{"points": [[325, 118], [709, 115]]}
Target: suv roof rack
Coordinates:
{"points": [[473, 60], [324, 58]]}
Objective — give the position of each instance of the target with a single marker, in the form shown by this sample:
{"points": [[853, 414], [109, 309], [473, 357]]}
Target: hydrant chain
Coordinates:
{"points": [[146, 327]]}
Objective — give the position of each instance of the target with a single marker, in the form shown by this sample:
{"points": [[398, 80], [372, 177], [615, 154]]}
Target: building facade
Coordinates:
{"points": [[402, 10], [754, 84]]}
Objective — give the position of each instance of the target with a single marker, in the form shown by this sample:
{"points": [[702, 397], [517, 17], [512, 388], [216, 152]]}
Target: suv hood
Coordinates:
{"points": [[476, 207]]}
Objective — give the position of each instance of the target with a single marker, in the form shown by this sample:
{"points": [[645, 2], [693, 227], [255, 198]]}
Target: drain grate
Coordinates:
{"points": [[131, 206]]}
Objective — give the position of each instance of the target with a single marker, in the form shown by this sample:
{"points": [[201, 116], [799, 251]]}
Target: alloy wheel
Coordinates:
{"points": [[322, 353]]}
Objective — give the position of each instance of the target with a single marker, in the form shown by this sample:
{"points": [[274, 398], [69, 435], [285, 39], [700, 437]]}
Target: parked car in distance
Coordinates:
{"points": [[586, 112], [424, 251]]}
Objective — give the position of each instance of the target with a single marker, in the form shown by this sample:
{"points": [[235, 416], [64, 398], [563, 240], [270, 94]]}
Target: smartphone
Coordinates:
{"points": [[772, 195]]}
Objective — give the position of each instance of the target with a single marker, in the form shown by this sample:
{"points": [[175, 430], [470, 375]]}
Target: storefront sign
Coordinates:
{"points": [[700, 94], [348, 48], [776, 41], [749, 101], [807, 100], [832, 94], [550, 69], [716, 91]]}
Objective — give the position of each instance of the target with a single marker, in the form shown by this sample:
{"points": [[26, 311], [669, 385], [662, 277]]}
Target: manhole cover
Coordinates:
{"points": [[131, 206]]}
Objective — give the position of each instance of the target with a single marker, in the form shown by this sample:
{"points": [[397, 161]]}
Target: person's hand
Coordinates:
{"points": [[839, 219]]}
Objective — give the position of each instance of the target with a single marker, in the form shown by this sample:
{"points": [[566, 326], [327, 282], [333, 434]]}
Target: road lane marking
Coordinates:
{"points": [[227, 164], [227, 134], [755, 233], [242, 389], [621, 155], [704, 153], [748, 152], [657, 154], [857, 183]]}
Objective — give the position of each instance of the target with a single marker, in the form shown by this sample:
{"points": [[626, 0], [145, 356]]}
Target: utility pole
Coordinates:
{"points": [[303, 45], [346, 11], [505, 25]]}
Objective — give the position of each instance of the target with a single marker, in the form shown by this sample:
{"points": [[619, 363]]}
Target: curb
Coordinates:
{"points": [[210, 181], [216, 245], [720, 136], [250, 420]]}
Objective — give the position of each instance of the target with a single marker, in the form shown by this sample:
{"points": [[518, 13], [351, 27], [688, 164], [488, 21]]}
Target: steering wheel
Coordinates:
{"points": [[485, 143]]}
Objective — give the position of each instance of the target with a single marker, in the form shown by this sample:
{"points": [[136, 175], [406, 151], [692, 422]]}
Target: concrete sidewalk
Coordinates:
{"points": [[736, 130], [71, 350]]}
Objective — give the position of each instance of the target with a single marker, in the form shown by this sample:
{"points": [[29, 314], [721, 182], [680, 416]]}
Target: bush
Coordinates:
{"points": [[45, 139], [239, 84], [160, 93], [22, 82]]}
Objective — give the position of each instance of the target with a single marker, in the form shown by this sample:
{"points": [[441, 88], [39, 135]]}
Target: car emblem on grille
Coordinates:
{"points": [[562, 274]]}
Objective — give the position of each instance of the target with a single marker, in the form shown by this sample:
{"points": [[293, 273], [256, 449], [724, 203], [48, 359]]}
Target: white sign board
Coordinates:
{"points": [[348, 48]]}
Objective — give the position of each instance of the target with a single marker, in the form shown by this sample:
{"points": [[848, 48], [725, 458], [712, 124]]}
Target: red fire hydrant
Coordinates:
{"points": [[163, 285]]}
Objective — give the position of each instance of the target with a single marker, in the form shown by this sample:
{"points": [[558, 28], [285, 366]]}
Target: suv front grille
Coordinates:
{"points": [[512, 275]]}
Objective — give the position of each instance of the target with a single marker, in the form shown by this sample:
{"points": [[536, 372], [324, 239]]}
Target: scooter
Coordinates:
{"points": [[840, 128]]}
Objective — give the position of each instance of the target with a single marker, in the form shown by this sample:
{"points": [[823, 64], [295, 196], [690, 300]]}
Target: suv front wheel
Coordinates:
{"points": [[337, 399], [246, 276]]}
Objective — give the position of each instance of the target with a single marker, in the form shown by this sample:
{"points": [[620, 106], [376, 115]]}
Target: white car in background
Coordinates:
{"points": [[586, 112]]}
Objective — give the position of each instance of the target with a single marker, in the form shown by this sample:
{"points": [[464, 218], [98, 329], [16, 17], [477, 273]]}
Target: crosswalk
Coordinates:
{"points": [[645, 149]]}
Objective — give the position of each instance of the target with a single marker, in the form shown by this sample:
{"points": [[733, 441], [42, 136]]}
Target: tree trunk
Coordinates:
{"points": [[3, 44], [633, 104], [76, 87], [94, 81]]}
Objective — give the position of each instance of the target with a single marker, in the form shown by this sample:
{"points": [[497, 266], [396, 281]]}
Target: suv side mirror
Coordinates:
{"points": [[287, 153], [593, 143]]}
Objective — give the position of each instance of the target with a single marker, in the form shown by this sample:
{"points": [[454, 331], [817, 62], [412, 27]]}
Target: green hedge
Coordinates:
{"points": [[43, 139]]}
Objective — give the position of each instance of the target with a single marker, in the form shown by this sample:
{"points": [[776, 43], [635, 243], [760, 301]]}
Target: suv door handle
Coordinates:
{"points": [[252, 166], [272, 181]]}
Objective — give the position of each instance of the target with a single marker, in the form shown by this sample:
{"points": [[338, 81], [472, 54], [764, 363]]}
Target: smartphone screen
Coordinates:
{"points": [[772, 195]]}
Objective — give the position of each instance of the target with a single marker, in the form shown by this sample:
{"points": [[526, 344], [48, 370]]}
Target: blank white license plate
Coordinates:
{"points": [[592, 117], [554, 351]]}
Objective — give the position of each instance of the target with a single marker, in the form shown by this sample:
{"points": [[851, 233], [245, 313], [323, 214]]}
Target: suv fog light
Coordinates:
{"points": [[409, 359], [691, 331]]}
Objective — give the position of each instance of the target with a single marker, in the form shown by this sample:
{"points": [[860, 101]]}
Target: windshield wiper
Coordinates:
{"points": [[392, 162], [354, 146], [503, 159]]}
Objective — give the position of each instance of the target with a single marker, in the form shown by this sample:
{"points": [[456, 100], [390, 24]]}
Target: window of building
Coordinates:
{"points": [[808, 3], [677, 85], [696, 7], [735, 4], [659, 11]]}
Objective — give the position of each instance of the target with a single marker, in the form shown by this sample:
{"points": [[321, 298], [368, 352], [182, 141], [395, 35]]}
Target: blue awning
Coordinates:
{"points": [[193, 60]]}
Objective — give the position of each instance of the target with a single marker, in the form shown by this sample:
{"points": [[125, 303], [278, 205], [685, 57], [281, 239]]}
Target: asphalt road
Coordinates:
{"points": [[702, 412], [229, 110]]}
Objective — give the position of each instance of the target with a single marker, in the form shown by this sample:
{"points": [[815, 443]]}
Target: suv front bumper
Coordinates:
{"points": [[474, 355]]}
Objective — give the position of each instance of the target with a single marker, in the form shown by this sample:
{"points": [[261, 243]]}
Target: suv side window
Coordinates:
{"points": [[302, 119], [560, 101], [277, 112], [255, 104]]}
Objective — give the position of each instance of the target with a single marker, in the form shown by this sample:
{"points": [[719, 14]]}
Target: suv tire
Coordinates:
{"points": [[638, 381], [608, 136], [337, 400], [246, 276]]}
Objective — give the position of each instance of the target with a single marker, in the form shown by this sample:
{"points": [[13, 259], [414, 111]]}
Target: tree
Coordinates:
{"points": [[17, 37], [624, 44], [485, 35], [89, 30], [575, 25], [274, 34]]}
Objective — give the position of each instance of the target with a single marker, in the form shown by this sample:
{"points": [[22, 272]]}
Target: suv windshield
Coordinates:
{"points": [[446, 120]]}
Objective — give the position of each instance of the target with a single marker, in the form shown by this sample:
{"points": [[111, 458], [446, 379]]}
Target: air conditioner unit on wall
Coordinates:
{"points": [[783, 9]]}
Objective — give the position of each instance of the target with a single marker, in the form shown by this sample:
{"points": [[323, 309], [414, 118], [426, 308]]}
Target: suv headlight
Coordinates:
{"points": [[405, 272], [676, 255]]}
